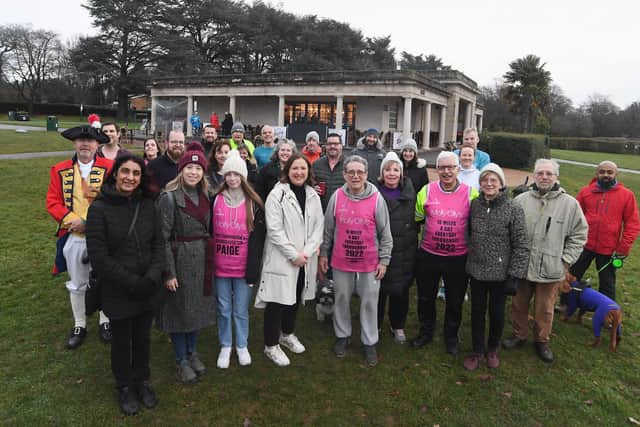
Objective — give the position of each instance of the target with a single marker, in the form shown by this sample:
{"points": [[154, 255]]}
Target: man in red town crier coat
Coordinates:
{"points": [[612, 214], [73, 185]]}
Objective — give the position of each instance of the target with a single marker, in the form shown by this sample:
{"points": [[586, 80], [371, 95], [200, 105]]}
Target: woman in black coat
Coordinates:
{"points": [[269, 175], [413, 166], [400, 196], [128, 265]]}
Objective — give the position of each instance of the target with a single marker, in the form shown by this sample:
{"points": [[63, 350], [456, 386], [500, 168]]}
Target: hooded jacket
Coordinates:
{"points": [[557, 232], [384, 241], [417, 173], [612, 216], [373, 154]]}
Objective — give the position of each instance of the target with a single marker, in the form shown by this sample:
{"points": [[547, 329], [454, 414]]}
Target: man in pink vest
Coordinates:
{"points": [[444, 207], [358, 232]]}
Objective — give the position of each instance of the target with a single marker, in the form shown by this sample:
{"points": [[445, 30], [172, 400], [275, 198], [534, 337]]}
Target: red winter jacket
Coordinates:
{"points": [[612, 216]]}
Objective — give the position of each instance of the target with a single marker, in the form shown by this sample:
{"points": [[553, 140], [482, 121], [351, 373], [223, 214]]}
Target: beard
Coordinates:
{"points": [[175, 153]]}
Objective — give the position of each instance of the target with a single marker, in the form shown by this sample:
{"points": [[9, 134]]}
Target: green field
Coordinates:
{"points": [[43, 383], [12, 142], [626, 161], [63, 121]]}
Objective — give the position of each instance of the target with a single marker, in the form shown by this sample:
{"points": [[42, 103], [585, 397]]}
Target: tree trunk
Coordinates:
{"points": [[123, 104]]}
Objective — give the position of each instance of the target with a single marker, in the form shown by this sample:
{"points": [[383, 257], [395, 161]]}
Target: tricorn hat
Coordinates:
{"points": [[87, 132]]}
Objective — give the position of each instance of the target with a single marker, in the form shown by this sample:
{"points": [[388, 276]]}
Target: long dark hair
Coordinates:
{"points": [[143, 188], [213, 163], [284, 177]]}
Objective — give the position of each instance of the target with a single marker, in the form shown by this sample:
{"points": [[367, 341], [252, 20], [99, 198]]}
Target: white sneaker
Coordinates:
{"points": [[223, 357], [292, 343], [244, 358], [276, 354]]}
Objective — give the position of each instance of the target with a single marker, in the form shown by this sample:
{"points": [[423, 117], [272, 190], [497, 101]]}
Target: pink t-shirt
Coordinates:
{"points": [[447, 215], [231, 238], [355, 248]]}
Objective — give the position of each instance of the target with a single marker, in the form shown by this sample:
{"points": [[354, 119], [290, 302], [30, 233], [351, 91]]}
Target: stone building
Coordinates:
{"points": [[439, 104]]}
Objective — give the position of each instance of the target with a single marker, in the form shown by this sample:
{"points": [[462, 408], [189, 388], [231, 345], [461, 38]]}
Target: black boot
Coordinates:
{"points": [[76, 338], [127, 401], [104, 332], [146, 395], [421, 340]]}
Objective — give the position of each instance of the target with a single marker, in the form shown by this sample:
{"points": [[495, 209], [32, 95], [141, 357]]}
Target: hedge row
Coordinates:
{"points": [[600, 145], [513, 150]]}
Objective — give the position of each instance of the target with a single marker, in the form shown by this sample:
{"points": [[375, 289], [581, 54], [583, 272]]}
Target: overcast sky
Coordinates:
{"points": [[589, 46]]}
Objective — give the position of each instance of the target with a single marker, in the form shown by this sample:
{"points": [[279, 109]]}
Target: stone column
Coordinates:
{"points": [[189, 114], [281, 111], [443, 125], [406, 119], [468, 116], [426, 130], [479, 124], [456, 113], [154, 116], [232, 107], [339, 111]]}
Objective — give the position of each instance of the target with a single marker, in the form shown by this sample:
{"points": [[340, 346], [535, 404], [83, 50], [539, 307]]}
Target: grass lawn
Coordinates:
{"points": [[12, 142], [45, 384], [627, 161], [63, 121]]}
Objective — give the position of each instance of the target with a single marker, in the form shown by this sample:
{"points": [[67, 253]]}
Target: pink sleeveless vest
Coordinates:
{"points": [[231, 238], [447, 215], [355, 247]]}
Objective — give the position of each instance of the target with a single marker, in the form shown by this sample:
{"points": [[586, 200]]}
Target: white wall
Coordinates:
{"points": [[370, 113], [257, 110]]}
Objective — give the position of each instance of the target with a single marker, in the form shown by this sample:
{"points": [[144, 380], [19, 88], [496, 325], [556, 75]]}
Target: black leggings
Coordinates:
{"points": [[130, 349], [481, 293], [279, 317]]}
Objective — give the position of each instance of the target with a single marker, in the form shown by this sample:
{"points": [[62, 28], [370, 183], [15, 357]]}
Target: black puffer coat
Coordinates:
{"points": [[267, 178], [129, 269], [404, 230]]}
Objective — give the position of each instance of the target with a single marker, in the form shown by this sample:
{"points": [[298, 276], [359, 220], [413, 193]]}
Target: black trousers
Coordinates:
{"points": [[282, 318], [481, 294], [606, 278], [430, 269], [398, 308], [130, 349]]}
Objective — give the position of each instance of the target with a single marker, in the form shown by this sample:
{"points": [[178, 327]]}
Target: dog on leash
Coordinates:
{"points": [[325, 299], [606, 311]]}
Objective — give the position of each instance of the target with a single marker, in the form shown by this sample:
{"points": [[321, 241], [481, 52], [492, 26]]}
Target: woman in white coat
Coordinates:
{"points": [[294, 233]]}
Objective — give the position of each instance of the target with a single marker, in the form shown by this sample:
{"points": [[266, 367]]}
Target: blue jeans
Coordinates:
{"points": [[184, 343], [233, 295]]}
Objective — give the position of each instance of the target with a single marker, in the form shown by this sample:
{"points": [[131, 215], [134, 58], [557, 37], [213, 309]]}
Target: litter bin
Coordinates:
{"points": [[52, 123], [12, 115]]}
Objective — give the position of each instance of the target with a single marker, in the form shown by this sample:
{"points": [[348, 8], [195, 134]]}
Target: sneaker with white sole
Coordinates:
{"points": [[224, 357], [244, 358], [399, 336], [276, 354], [292, 343]]}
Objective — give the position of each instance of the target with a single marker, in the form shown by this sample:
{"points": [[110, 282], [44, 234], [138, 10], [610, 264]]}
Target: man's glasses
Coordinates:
{"points": [[447, 168], [355, 173], [176, 142]]}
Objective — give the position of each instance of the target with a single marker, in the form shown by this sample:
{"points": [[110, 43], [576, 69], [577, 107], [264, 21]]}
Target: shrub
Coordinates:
{"points": [[600, 145], [514, 150]]}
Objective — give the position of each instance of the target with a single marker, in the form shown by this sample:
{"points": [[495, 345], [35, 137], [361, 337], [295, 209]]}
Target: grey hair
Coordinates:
{"points": [[556, 166], [357, 159], [281, 142], [447, 155]]}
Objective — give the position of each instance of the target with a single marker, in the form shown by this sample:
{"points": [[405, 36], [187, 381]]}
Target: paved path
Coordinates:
{"points": [[571, 162], [21, 156], [27, 127]]}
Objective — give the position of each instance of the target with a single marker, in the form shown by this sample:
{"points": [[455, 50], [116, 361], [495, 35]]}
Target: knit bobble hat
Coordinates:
{"points": [[234, 163], [237, 127], [410, 144], [391, 157], [194, 154], [494, 168], [312, 135], [371, 131]]}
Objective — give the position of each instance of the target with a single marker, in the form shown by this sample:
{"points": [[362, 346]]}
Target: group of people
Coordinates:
{"points": [[186, 236]]}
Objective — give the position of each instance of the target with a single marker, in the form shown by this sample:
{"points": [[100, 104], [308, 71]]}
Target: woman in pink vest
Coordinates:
{"points": [[358, 232], [238, 233], [294, 232]]}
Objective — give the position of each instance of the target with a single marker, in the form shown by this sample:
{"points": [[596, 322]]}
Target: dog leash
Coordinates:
{"points": [[616, 261]]}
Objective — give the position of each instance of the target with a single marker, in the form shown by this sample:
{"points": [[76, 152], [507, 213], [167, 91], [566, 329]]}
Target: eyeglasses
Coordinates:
{"points": [[545, 173], [353, 173], [447, 167], [176, 142]]}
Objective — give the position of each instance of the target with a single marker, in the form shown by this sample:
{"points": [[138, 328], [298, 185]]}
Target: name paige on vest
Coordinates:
{"points": [[229, 244]]}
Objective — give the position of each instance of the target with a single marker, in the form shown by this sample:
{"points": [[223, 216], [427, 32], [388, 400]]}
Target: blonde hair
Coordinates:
{"points": [[250, 195], [178, 183]]}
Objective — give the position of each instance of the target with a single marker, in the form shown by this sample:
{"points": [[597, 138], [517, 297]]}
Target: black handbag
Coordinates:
{"points": [[92, 300]]}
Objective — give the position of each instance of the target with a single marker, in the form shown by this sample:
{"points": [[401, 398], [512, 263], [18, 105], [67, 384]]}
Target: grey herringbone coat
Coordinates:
{"points": [[187, 309], [498, 244]]}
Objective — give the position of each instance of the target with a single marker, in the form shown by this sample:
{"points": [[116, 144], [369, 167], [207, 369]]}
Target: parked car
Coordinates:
{"points": [[22, 116]]}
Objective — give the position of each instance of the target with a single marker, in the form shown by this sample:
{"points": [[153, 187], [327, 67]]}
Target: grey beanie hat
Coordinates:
{"points": [[312, 135], [391, 157], [234, 163], [237, 127], [410, 144], [492, 167]]}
